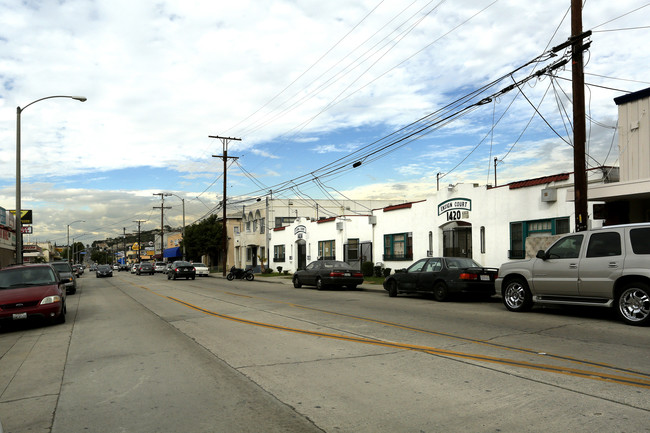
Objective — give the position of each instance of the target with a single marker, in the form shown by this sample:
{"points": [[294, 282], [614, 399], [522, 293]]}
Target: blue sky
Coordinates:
{"points": [[303, 84]]}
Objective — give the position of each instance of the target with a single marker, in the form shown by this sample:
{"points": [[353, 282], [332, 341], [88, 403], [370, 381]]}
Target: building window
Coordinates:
{"points": [[278, 253], [326, 250], [249, 254], [353, 249], [482, 239], [398, 246], [248, 226], [262, 225], [283, 221], [254, 226], [519, 231], [235, 230]]}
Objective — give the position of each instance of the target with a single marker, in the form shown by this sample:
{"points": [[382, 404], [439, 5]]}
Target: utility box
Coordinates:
{"points": [[549, 194]]}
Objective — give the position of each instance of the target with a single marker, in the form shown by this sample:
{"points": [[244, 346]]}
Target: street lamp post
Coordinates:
{"points": [[19, 226], [183, 232], [77, 221]]}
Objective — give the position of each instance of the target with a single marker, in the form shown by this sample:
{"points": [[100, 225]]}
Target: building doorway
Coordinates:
{"points": [[301, 253], [457, 239]]}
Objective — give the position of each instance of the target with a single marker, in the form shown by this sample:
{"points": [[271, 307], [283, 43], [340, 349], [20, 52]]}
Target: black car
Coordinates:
{"points": [[104, 271], [442, 276], [328, 273], [180, 269], [145, 268], [66, 272]]}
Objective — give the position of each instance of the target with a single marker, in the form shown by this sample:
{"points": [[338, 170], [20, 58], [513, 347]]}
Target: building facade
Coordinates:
{"points": [[489, 225]]}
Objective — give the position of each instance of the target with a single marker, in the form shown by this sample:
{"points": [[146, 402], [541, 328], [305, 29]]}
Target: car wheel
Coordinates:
{"points": [[633, 304], [296, 283], [440, 292], [169, 277], [352, 287], [517, 296], [319, 284], [193, 277], [392, 288]]}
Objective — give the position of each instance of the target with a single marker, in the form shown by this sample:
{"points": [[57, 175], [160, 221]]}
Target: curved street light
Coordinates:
{"points": [[77, 221], [19, 226]]}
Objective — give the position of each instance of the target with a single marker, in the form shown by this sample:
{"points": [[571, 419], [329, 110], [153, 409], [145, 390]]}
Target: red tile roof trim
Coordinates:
{"points": [[277, 229], [326, 220], [398, 206], [539, 181]]}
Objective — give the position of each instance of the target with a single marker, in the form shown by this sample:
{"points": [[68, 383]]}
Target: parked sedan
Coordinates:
{"points": [[441, 277], [32, 291], [201, 269], [181, 269], [135, 267], [104, 271], [65, 272], [328, 273]]}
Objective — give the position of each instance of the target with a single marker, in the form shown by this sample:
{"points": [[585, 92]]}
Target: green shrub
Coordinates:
{"points": [[377, 272], [366, 269], [387, 272]]}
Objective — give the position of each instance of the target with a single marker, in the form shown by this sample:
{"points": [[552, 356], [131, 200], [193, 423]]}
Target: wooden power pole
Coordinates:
{"points": [[579, 134], [224, 236]]}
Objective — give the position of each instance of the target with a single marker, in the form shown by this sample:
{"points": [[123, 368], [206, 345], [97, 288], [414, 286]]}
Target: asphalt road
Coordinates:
{"points": [[144, 354]]}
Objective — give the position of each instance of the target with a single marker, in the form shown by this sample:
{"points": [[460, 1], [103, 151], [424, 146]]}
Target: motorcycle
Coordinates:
{"points": [[240, 274]]}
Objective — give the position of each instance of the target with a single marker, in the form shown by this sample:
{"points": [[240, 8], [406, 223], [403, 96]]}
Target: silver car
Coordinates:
{"points": [[607, 267]]}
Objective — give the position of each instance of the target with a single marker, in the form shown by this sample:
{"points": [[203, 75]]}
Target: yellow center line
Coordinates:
{"points": [[586, 374]]}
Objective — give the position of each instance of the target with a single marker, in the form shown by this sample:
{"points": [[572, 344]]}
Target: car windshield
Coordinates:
{"points": [[330, 264], [182, 264], [25, 277], [103, 268], [199, 265]]}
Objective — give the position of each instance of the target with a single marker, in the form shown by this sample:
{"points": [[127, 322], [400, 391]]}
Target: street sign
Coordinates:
{"points": [[26, 230], [26, 217]]}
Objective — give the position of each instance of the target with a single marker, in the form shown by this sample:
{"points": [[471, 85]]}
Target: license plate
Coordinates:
{"points": [[20, 316], [485, 278], [347, 274]]}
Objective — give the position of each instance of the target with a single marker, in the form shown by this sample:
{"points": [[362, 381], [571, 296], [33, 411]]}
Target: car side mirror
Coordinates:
{"points": [[541, 254]]}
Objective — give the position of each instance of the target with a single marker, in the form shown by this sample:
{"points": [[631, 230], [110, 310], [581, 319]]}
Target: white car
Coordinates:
{"points": [[201, 269], [134, 268]]}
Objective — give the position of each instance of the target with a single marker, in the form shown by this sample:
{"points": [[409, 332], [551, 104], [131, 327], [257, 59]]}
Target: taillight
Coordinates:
{"points": [[336, 274], [468, 276]]}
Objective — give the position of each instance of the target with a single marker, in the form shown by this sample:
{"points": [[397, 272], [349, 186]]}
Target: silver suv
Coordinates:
{"points": [[607, 267], [65, 271]]}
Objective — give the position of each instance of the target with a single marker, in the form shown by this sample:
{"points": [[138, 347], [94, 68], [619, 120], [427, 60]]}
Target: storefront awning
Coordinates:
{"points": [[172, 252]]}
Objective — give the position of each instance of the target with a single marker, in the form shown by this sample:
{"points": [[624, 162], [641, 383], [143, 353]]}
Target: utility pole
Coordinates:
{"points": [[124, 243], [139, 240], [224, 247], [162, 208], [579, 134]]}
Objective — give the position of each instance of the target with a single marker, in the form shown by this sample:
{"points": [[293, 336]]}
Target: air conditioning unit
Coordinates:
{"points": [[372, 219], [339, 225], [549, 194]]}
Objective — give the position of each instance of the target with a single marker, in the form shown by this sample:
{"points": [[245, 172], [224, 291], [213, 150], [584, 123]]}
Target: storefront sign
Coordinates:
{"points": [[455, 208], [455, 204], [300, 231]]}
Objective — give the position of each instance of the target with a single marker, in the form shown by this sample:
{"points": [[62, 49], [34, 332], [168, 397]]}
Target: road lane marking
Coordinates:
{"points": [[638, 379]]}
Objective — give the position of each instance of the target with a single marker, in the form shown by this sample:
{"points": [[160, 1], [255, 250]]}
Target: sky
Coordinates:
{"points": [[301, 90]]}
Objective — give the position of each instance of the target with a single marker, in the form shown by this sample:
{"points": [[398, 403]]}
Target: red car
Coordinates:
{"points": [[32, 291]]}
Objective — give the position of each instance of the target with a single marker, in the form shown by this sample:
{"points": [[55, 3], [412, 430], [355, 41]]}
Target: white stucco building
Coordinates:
{"points": [[490, 225]]}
